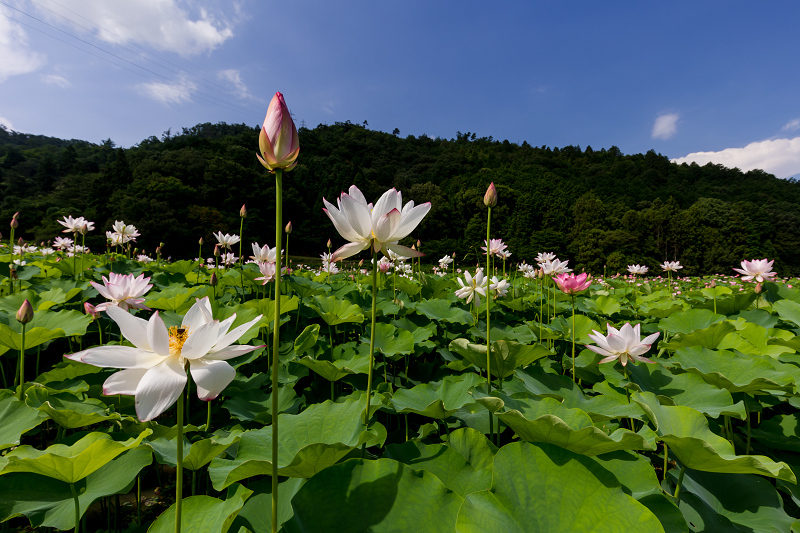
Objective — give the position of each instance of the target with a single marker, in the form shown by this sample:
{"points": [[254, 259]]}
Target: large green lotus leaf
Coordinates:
{"points": [[547, 420], [441, 310], [753, 339], [740, 301], [521, 334], [780, 431], [48, 502], [195, 454], [256, 405], [506, 356], [748, 502], [662, 309], [474, 447], [204, 513], [709, 337], [67, 409], [756, 316], [266, 308], [583, 327], [335, 310], [688, 436], [306, 287], [788, 310], [438, 287], [69, 463], [406, 285], [716, 292], [376, 496], [732, 371], [437, 400], [444, 462], [315, 439], [349, 358], [686, 389], [306, 340], [634, 472], [421, 334], [39, 301], [604, 305], [688, 321], [256, 515], [600, 408], [16, 418], [177, 299], [390, 340], [547, 488], [67, 370], [45, 326]]}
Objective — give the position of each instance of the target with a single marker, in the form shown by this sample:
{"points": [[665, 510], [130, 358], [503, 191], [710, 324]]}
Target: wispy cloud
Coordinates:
{"points": [[169, 93], [234, 77], [7, 123], [55, 79], [17, 58], [780, 157], [665, 126], [792, 125]]}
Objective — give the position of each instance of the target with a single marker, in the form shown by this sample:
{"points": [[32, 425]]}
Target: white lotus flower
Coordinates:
{"points": [[541, 257], [379, 226], [445, 261], [671, 266], [126, 233], [264, 254], [74, 225], [473, 287], [623, 344], [226, 241], [638, 269], [554, 267], [154, 369], [124, 291]]}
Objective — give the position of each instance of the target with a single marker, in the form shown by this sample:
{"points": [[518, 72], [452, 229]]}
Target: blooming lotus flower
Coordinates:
{"points": [[542, 257], [227, 240], [384, 264], [500, 287], [671, 266], [126, 233], [572, 284], [496, 246], [124, 291], [268, 270], [445, 261], [74, 225], [278, 140], [554, 267], [228, 258], [379, 227], [144, 258], [757, 269], [623, 344], [115, 239], [264, 253], [637, 269], [473, 287], [62, 243], [154, 369]]}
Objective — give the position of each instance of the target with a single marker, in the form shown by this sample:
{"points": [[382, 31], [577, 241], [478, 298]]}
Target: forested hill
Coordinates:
{"points": [[594, 207]]}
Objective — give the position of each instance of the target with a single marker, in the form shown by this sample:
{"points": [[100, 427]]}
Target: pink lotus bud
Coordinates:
{"points": [[490, 198], [419, 244], [14, 224], [200, 242], [289, 227], [213, 280], [20, 242], [360, 263], [713, 283], [25, 313], [758, 288], [90, 310], [329, 244], [216, 250], [243, 211], [278, 141]]}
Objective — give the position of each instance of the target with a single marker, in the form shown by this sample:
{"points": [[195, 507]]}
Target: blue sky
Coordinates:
{"points": [[704, 81]]}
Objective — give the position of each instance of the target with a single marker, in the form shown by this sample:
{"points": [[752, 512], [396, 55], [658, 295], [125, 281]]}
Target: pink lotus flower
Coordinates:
{"points": [[496, 247], [124, 291], [623, 344], [572, 284], [268, 270], [757, 269], [278, 140]]}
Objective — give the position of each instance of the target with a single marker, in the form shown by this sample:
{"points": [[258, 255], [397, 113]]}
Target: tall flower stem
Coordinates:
{"points": [[77, 507], [573, 340], [371, 336], [179, 469], [488, 325], [22, 363], [276, 341]]}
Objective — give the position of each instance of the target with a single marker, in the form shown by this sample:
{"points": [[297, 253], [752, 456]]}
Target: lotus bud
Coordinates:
{"points": [[200, 242], [289, 227], [329, 244], [213, 280], [758, 288], [25, 313], [90, 310], [490, 198], [419, 244], [20, 242], [413, 247], [278, 142], [14, 224], [216, 250], [713, 283], [243, 211], [360, 263], [15, 215]]}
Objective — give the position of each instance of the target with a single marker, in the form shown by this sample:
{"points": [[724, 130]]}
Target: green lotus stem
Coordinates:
{"points": [[83, 250], [371, 337], [680, 481], [208, 416], [22, 362], [666, 464], [77, 507], [179, 469], [747, 447], [138, 500], [75, 256], [573, 339], [488, 318], [276, 341]]}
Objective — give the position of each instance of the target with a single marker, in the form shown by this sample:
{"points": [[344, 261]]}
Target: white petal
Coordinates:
{"points": [[357, 215], [387, 202], [357, 195], [159, 388], [403, 250], [133, 328], [232, 336], [351, 248], [199, 314], [386, 225], [601, 351], [124, 381], [616, 343], [201, 340], [231, 351], [411, 220], [340, 222], [211, 377], [157, 335], [119, 357]]}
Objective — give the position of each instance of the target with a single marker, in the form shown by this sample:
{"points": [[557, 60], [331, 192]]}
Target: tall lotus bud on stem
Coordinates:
{"points": [[713, 283], [90, 310], [278, 141], [361, 263], [419, 244], [243, 211], [25, 313], [200, 242], [14, 224], [20, 242], [289, 227], [490, 198], [329, 244], [216, 250], [213, 281], [758, 288]]}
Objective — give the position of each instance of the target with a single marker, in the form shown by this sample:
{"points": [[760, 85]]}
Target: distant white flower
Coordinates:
{"points": [[496, 246], [47, 251], [62, 243], [124, 291], [142, 258], [228, 258], [126, 233], [268, 272], [638, 269], [226, 241], [264, 253], [671, 266], [541, 257], [473, 287], [623, 344], [445, 261], [76, 225], [499, 287], [555, 267]]}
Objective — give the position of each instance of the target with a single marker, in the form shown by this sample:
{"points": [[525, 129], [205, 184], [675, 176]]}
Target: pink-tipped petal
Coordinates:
{"points": [[159, 388], [211, 377]]}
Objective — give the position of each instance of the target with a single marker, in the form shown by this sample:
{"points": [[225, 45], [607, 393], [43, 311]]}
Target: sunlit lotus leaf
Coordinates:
{"points": [[788, 310], [603, 305], [735, 372], [444, 462], [536, 419], [16, 418], [583, 327], [688, 321], [335, 310], [256, 405], [39, 301], [506, 356], [45, 326], [521, 334], [311, 441], [634, 472], [688, 436], [307, 339], [391, 341], [600, 407], [204, 513], [780, 431], [441, 310], [709, 337], [662, 309], [25, 272], [421, 334], [195, 454], [67, 370], [178, 299], [377, 496], [405, 285], [68, 463], [739, 301], [474, 447], [349, 358], [539, 488], [438, 287], [306, 287], [49, 502], [755, 316], [754, 339], [686, 389], [716, 292], [732, 502], [517, 304], [266, 308], [67, 409], [437, 400], [256, 515]]}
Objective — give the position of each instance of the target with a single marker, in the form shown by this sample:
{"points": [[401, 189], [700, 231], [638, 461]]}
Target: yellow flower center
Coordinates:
{"points": [[177, 336]]}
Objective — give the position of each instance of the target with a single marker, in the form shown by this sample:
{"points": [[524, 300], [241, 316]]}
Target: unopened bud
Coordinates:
{"points": [[758, 288], [20, 242], [14, 224], [16, 215], [200, 241], [289, 227], [419, 244], [216, 250], [213, 281], [90, 310], [243, 211], [490, 198], [25, 313], [713, 283], [360, 263], [329, 244]]}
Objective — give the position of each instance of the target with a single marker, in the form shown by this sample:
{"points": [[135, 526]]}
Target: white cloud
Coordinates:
{"points": [[233, 76], [7, 123], [780, 157], [169, 93], [55, 79], [665, 126], [162, 24], [792, 125], [17, 58]]}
